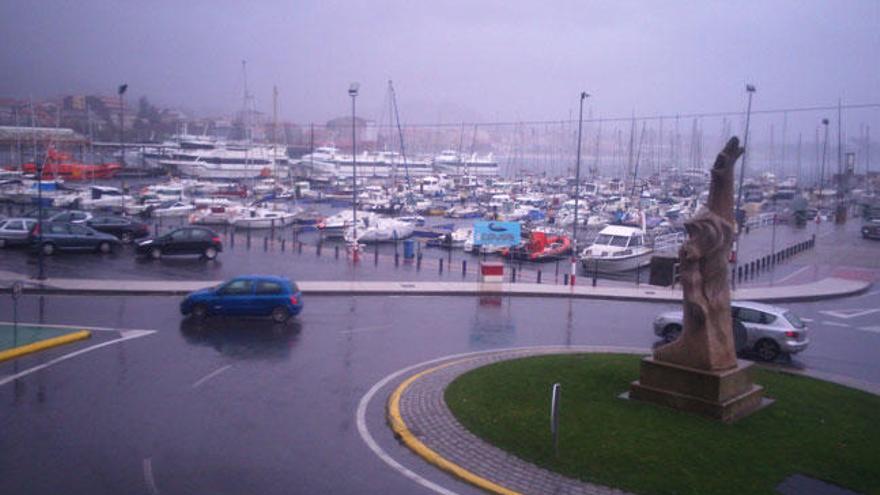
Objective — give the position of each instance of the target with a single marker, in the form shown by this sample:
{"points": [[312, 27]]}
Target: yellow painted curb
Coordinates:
{"points": [[402, 431], [43, 345]]}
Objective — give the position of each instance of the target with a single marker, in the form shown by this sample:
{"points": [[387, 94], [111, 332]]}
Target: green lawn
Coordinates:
{"points": [[814, 428]]}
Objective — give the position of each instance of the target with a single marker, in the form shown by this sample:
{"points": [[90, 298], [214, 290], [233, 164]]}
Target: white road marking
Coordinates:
{"points": [[65, 327], [836, 324], [366, 329], [807, 320], [148, 476], [849, 313], [361, 414], [793, 274], [128, 335], [870, 329], [210, 375]]}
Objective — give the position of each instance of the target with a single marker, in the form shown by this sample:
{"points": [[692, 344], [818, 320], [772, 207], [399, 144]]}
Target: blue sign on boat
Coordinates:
{"points": [[496, 233]]}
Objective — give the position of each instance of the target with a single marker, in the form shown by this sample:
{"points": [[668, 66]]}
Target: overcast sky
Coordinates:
{"points": [[449, 60]]}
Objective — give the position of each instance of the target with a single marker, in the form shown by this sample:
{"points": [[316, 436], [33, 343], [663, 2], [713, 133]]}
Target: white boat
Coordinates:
{"points": [[334, 226], [176, 209], [617, 248], [452, 163], [262, 218], [215, 215], [380, 229]]}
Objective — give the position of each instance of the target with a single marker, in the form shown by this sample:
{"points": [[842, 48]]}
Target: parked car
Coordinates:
{"points": [[871, 230], [770, 330], [71, 216], [185, 240], [15, 231], [272, 296], [124, 228], [60, 236]]}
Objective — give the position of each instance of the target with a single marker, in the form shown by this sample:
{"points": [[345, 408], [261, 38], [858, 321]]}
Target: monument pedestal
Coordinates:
{"points": [[726, 395]]}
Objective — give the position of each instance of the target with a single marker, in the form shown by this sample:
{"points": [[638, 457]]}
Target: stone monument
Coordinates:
{"points": [[699, 372]]}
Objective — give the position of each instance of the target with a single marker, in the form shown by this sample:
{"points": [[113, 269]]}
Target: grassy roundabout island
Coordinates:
{"points": [[815, 428]]}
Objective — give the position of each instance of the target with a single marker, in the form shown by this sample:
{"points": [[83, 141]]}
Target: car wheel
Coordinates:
{"points": [[210, 253], [155, 253], [671, 333], [2, 243], [126, 237], [199, 312], [48, 249], [280, 314], [105, 248], [766, 350]]}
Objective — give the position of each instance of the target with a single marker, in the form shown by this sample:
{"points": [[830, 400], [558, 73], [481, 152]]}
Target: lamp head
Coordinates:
{"points": [[584, 95], [353, 89], [122, 88], [824, 121], [750, 88]]}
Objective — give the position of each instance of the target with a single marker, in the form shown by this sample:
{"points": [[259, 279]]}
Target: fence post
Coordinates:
{"points": [[463, 268], [283, 240], [441, 266], [539, 276], [419, 261], [564, 279], [318, 249], [265, 243], [595, 272], [336, 251], [513, 275]]}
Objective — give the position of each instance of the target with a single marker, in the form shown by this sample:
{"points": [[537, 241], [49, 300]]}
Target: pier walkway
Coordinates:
{"points": [[823, 289]]}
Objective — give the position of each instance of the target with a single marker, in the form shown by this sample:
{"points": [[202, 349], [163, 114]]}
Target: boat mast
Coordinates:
{"points": [[274, 130], [399, 131]]}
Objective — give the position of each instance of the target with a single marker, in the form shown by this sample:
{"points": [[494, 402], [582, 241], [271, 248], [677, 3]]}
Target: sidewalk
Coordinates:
{"points": [[822, 289]]}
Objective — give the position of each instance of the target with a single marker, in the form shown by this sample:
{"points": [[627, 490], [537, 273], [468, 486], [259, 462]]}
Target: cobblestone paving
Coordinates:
{"points": [[425, 413]]}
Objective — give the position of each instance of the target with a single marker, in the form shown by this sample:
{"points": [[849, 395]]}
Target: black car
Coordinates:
{"points": [[871, 230], [185, 240], [124, 228]]}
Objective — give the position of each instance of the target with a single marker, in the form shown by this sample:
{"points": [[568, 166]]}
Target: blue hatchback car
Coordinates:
{"points": [[254, 295]]}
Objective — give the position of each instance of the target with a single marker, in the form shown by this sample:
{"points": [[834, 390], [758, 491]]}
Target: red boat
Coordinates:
{"points": [[540, 247], [61, 165]]}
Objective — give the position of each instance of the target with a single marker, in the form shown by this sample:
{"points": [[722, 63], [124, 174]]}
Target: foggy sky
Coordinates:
{"points": [[450, 60]]}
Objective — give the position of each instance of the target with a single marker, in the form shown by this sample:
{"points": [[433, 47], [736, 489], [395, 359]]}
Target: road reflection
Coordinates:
{"points": [[244, 338]]}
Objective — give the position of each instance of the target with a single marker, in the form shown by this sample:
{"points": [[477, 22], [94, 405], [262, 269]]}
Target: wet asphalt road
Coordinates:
{"points": [[244, 406]]}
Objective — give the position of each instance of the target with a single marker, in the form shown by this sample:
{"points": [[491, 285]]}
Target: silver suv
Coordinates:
{"points": [[770, 330]]}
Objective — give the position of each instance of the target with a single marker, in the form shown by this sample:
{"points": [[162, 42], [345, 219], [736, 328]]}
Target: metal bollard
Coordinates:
{"points": [[248, 243], [463, 268], [318, 250], [272, 229], [265, 243], [232, 238], [539, 276], [336, 252], [419, 261], [739, 274], [396, 258], [441, 266], [299, 247], [283, 240], [513, 275], [376, 255], [564, 279]]}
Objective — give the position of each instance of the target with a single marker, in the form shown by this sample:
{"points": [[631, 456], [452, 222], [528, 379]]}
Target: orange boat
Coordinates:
{"points": [[61, 165], [540, 247]]}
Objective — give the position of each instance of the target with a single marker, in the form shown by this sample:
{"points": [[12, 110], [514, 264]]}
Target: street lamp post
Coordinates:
{"points": [[41, 269], [822, 172], [121, 91], [353, 92], [577, 190], [750, 89]]}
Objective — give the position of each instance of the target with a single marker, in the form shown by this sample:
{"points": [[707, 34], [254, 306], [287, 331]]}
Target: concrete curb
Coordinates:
{"points": [[824, 289], [43, 345], [508, 463]]}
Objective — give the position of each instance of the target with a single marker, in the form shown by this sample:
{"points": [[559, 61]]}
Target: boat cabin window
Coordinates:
{"points": [[636, 241], [611, 240]]}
